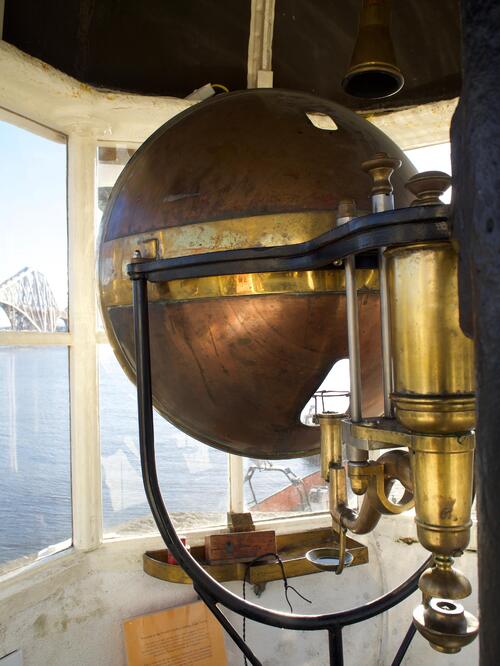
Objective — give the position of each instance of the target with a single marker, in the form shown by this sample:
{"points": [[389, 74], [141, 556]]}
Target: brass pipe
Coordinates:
{"points": [[374, 480], [381, 168], [346, 212], [396, 467], [331, 442], [360, 521], [433, 360]]}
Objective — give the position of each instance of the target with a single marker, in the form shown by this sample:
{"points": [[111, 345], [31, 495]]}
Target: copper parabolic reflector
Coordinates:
{"points": [[236, 358]]}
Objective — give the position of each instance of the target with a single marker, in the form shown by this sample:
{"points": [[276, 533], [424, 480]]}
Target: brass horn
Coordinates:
{"points": [[373, 72]]}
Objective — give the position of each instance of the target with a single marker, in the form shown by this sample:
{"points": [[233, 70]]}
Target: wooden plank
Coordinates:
{"points": [[239, 546]]}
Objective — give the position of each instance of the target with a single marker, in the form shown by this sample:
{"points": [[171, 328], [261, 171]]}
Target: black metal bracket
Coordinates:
{"points": [[406, 226], [361, 236]]}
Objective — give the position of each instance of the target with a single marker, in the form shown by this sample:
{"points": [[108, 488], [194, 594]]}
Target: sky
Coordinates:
{"points": [[33, 213]]}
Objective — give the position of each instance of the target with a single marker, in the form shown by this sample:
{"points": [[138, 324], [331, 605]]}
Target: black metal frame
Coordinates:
{"points": [[392, 227], [362, 236]]}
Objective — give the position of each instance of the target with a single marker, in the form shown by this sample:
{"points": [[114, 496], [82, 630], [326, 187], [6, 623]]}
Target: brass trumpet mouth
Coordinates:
{"points": [[373, 81]]}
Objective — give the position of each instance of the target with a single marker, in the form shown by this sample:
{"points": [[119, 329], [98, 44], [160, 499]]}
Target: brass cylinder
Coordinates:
{"points": [[443, 490], [433, 360], [331, 441]]}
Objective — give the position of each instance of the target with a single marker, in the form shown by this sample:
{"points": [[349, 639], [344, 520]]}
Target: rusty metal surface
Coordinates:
{"points": [[236, 371]]}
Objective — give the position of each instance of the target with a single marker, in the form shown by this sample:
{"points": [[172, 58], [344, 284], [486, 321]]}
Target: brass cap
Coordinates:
{"points": [[428, 187], [381, 167]]}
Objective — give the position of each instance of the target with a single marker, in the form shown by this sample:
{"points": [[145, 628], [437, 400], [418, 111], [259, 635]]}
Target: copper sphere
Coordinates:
{"points": [[236, 358]]}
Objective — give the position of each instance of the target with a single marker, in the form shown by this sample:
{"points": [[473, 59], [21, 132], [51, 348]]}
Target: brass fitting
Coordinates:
{"points": [[440, 618], [442, 580], [433, 359], [331, 441], [443, 469], [446, 625], [373, 479]]}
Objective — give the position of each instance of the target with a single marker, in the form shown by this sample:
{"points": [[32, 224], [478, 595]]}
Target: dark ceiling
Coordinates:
{"points": [[170, 48], [313, 42]]}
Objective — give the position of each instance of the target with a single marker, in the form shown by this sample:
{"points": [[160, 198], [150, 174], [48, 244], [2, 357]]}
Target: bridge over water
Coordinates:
{"points": [[29, 303]]}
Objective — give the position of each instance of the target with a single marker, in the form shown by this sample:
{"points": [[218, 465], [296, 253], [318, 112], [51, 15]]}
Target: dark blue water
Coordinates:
{"points": [[35, 491]]}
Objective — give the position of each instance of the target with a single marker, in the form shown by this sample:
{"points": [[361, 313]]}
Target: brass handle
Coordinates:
{"points": [[342, 547]]}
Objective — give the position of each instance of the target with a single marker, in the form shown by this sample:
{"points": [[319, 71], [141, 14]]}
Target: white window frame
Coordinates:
{"points": [[61, 339]]}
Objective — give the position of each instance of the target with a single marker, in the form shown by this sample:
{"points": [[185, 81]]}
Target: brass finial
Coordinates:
{"points": [[381, 167], [428, 187]]}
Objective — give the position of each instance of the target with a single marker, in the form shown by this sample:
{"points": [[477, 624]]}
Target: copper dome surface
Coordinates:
{"points": [[236, 358]]}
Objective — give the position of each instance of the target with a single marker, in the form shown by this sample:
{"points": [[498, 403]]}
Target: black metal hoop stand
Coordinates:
{"points": [[429, 227]]}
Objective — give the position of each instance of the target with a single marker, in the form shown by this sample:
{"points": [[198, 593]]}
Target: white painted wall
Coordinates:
{"points": [[71, 614]]}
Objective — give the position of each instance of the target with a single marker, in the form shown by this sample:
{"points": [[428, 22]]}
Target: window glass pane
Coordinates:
{"points": [[275, 488], [193, 476], [35, 488], [284, 487], [33, 226]]}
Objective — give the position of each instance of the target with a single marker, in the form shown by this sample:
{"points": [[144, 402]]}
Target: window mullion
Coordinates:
{"points": [[34, 338], [236, 498], [85, 449]]}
